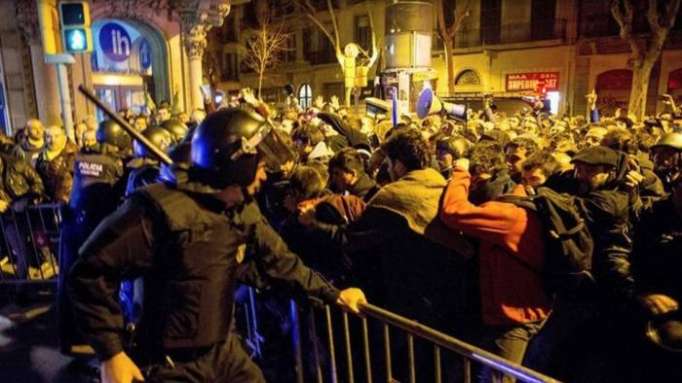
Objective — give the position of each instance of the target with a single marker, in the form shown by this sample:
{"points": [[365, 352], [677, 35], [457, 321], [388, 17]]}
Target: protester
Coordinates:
{"points": [[55, 164], [417, 213]]}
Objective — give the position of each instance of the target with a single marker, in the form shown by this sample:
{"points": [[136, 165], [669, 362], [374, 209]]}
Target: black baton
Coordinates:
{"points": [[163, 157]]}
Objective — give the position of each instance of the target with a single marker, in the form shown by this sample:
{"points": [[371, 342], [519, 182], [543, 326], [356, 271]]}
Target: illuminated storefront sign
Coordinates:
{"points": [[115, 42], [533, 81]]}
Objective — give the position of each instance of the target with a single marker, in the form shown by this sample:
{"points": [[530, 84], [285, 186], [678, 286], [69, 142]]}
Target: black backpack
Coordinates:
{"points": [[568, 241]]}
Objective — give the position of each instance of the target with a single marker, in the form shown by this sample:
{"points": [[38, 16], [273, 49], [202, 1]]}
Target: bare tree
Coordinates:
{"points": [[645, 51], [347, 55], [266, 43], [447, 33]]}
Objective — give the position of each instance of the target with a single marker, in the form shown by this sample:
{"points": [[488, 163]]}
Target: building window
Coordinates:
{"points": [[289, 52], [363, 32], [542, 22], [316, 46], [491, 21], [675, 84], [230, 68], [305, 96], [468, 77], [326, 52], [613, 88]]}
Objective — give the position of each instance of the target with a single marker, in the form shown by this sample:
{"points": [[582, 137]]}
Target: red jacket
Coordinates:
{"points": [[511, 293]]}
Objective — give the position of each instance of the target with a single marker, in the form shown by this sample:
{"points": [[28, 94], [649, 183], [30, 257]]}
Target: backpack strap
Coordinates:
{"points": [[520, 201], [527, 203]]}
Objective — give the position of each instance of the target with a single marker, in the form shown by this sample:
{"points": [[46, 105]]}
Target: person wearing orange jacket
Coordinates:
{"points": [[513, 300]]}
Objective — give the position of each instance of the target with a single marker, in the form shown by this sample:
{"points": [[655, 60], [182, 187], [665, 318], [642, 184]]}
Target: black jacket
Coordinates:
{"points": [[400, 254], [608, 214], [142, 172], [608, 221], [19, 179], [188, 248], [657, 260]]}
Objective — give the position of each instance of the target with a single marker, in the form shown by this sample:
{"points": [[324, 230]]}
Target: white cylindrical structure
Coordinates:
{"points": [[409, 25]]}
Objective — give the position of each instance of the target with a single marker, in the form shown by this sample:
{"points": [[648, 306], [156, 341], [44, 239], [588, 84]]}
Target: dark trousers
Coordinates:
{"points": [[224, 362]]}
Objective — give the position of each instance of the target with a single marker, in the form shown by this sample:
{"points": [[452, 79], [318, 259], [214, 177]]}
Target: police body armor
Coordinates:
{"points": [[95, 172], [143, 172], [191, 305], [94, 196]]}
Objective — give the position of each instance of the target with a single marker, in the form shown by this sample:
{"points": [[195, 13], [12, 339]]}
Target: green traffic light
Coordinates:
{"points": [[76, 40]]}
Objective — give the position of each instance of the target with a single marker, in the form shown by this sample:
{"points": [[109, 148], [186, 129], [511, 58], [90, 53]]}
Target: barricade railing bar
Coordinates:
{"points": [[413, 331], [30, 244]]}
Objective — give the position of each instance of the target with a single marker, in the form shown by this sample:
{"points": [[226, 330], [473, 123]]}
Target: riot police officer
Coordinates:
{"points": [[186, 237], [667, 157], [177, 129], [98, 186], [144, 168]]}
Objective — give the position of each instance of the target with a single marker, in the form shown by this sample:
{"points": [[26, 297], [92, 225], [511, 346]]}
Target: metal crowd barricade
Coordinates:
{"points": [[30, 244], [391, 322]]}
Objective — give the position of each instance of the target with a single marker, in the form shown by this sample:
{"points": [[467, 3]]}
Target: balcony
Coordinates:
{"points": [[321, 57], [525, 32], [507, 34]]}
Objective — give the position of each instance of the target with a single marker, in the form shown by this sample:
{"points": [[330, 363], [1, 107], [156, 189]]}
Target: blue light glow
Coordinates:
{"points": [[76, 40]]}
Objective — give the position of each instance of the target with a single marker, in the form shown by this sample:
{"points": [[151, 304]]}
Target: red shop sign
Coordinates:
{"points": [[532, 81]]}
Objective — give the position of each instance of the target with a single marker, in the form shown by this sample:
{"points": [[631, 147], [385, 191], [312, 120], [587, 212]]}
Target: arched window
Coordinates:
{"points": [[467, 77], [613, 89], [616, 79], [305, 96]]}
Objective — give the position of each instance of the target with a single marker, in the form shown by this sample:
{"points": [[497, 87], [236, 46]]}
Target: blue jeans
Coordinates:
{"points": [[509, 342]]}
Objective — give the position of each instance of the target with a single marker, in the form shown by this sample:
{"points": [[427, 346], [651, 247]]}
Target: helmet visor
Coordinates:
{"points": [[276, 150], [272, 145]]}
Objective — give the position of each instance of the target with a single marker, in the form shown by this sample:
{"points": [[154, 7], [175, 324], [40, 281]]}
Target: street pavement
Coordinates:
{"points": [[29, 351]]}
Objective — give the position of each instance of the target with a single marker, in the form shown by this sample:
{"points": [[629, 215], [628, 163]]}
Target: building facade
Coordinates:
{"points": [[142, 50], [503, 47]]}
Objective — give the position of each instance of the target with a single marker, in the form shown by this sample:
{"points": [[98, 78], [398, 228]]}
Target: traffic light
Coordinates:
{"points": [[74, 18]]}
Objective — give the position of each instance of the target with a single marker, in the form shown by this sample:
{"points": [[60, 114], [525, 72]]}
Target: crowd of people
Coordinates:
{"points": [[419, 213], [432, 227]]}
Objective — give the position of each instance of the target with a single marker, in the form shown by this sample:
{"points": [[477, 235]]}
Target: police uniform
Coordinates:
{"points": [[143, 172], [95, 194], [186, 246]]}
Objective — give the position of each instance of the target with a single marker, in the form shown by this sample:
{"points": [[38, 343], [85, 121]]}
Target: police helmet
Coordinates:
{"points": [[670, 140], [159, 137], [176, 128], [667, 168], [110, 132], [227, 146]]}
